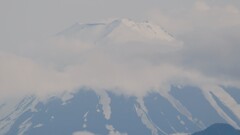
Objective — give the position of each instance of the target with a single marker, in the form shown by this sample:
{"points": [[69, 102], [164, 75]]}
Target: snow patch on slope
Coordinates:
{"points": [[83, 133], [85, 120], [105, 101], [180, 108], [38, 125], [140, 110], [65, 97], [24, 126], [13, 110], [226, 99], [113, 131]]}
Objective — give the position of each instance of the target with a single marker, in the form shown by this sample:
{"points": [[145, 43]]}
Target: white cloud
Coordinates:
{"points": [[131, 69], [202, 15], [208, 56], [210, 40], [232, 9], [200, 5]]}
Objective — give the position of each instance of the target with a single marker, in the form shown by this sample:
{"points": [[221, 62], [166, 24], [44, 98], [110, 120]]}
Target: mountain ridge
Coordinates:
{"points": [[130, 30]]}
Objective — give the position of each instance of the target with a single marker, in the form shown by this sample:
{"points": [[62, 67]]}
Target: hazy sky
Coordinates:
{"points": [[32, 19], [208, 29]]}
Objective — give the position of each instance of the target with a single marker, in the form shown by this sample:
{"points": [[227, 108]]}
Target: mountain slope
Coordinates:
{"points": [[84, 111], [219, 129]]}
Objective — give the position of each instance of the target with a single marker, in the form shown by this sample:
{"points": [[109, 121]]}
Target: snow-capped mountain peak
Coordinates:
{"points": [[145, 30], [118, 30]]}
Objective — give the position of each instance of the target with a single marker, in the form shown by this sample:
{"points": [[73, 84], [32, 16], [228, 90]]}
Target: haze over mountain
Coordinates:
{"points": [[82, 67], [113, 77], [122, 30]]}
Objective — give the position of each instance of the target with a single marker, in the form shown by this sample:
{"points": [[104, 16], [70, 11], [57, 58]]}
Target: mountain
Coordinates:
{"points": [[219, 129], [119, 30], [179, 109], [86, 110]]}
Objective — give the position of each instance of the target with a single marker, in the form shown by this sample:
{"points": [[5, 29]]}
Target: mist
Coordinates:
{"points": [[205, 53]]}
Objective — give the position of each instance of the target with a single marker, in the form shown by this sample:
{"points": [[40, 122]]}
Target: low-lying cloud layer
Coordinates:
{"points": [[206, 54]]}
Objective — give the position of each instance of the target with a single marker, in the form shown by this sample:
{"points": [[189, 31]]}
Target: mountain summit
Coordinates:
{"points": [[118, 30]]}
